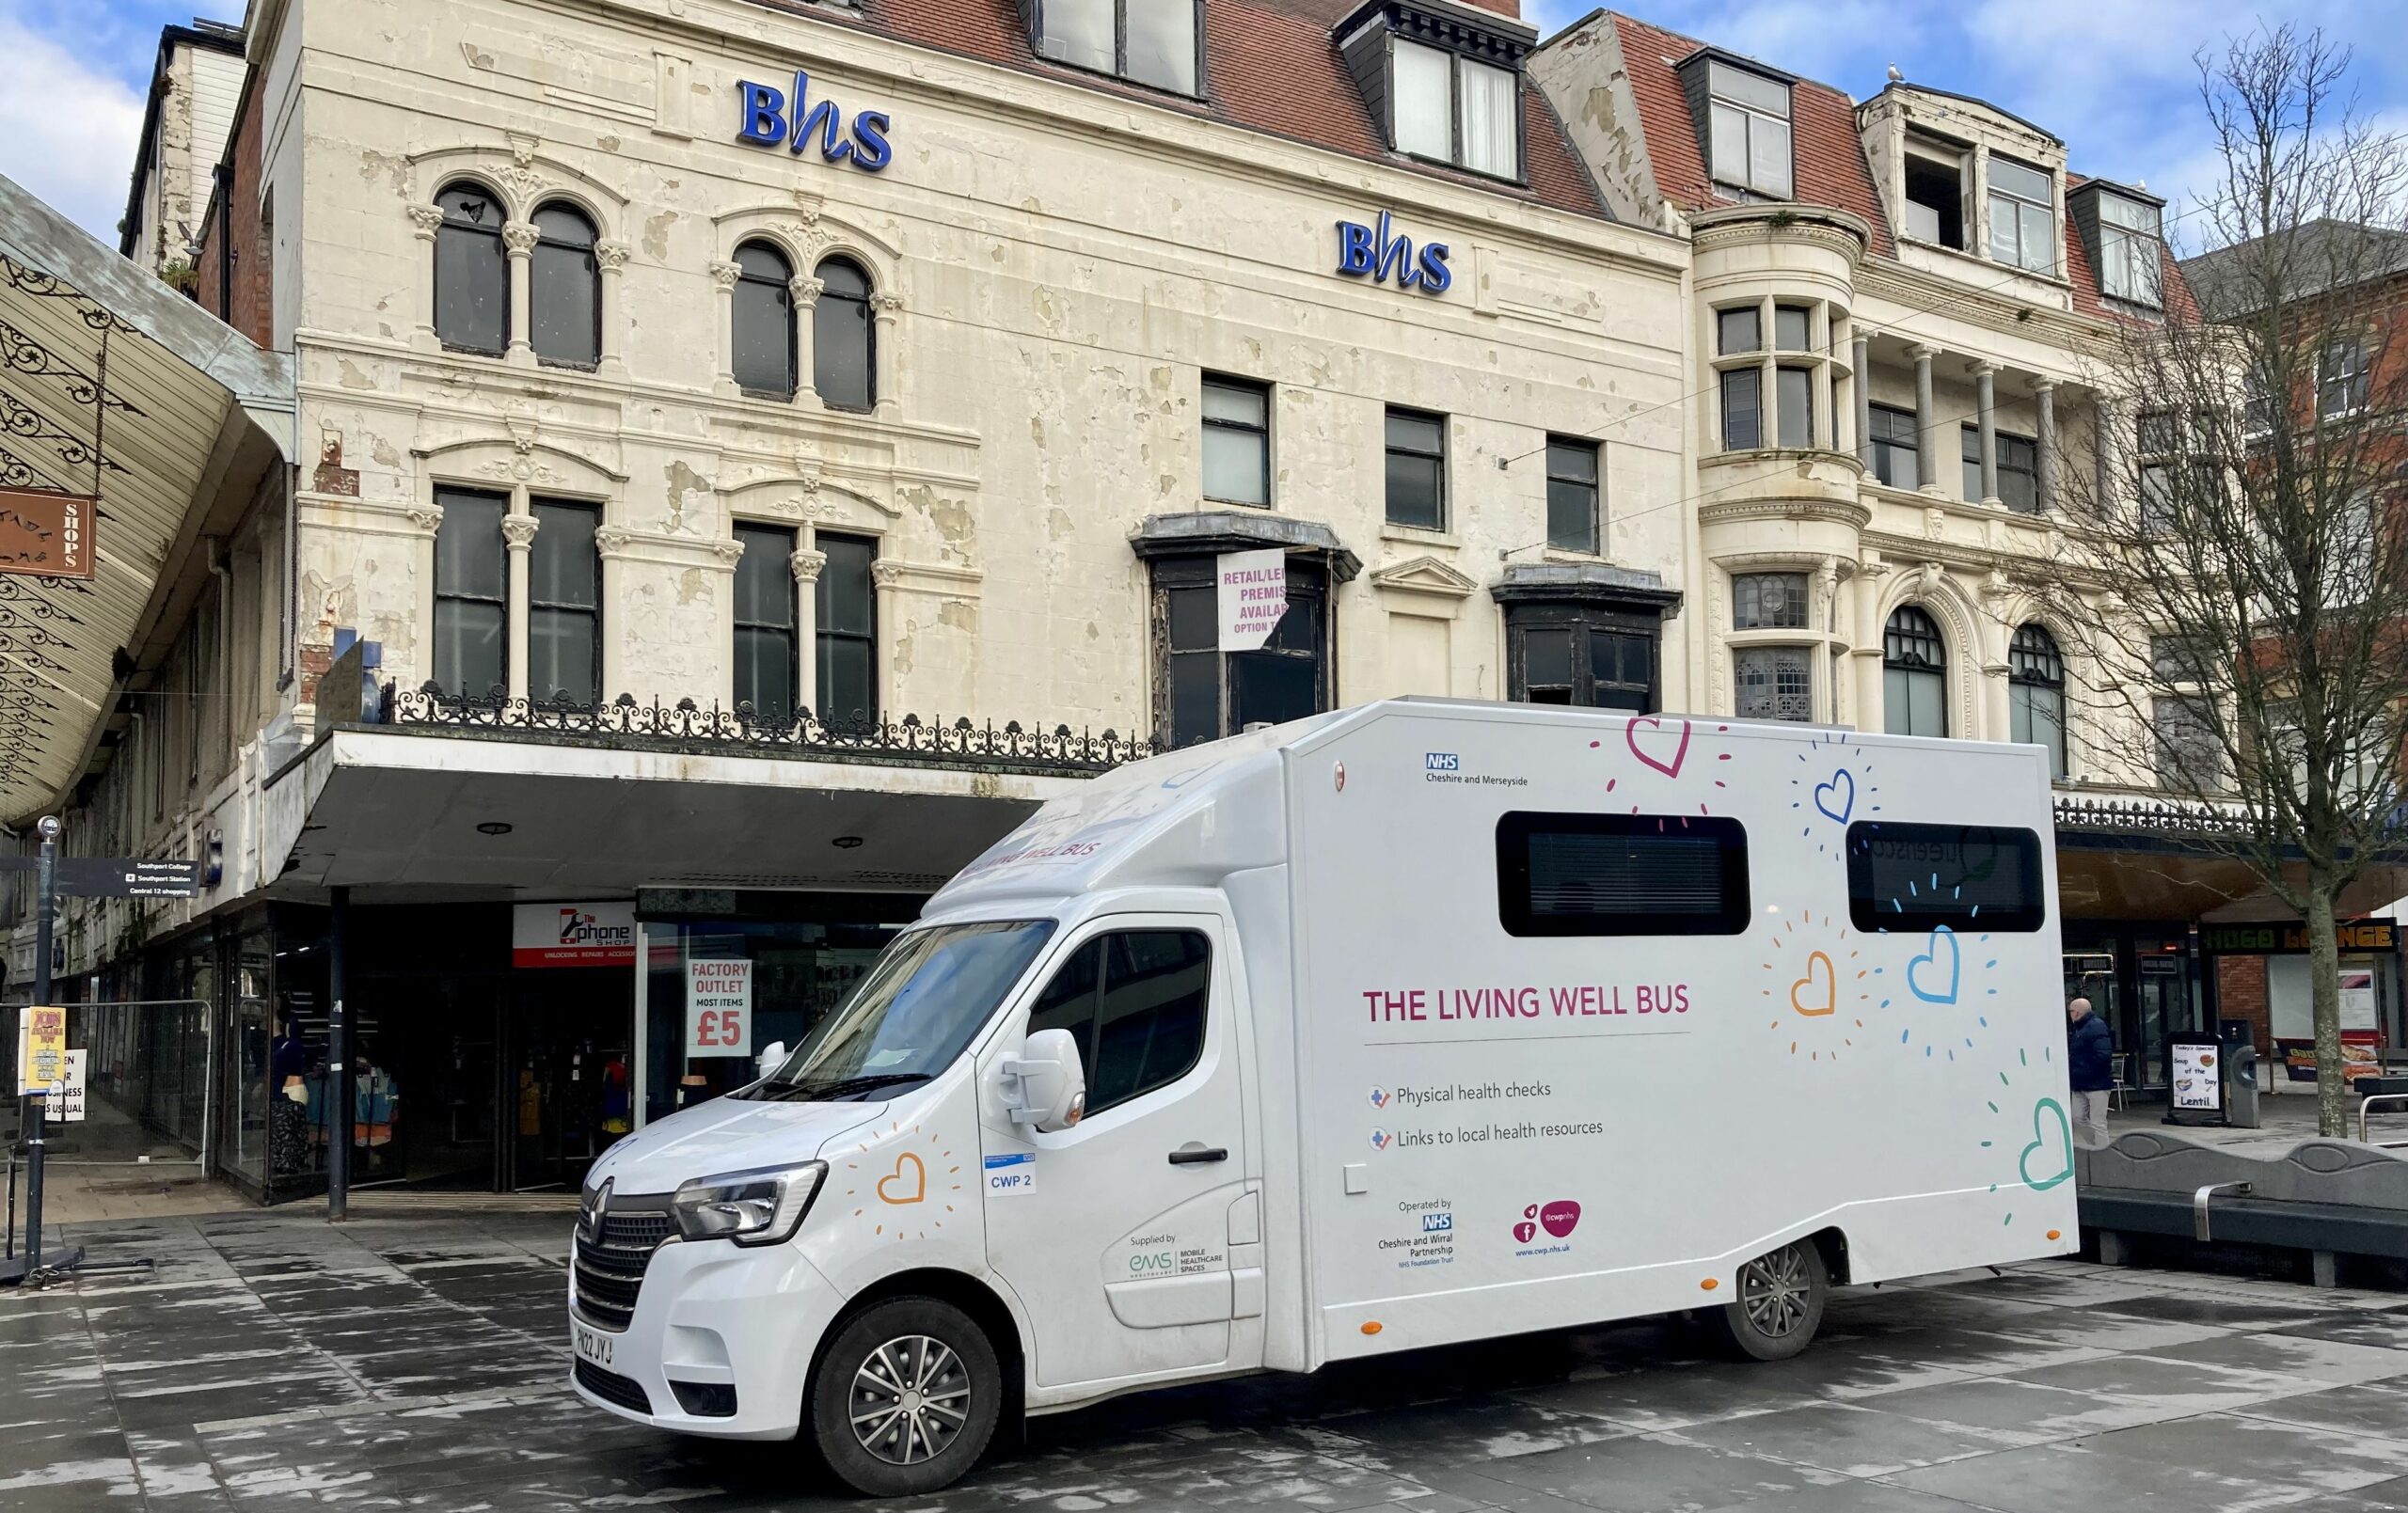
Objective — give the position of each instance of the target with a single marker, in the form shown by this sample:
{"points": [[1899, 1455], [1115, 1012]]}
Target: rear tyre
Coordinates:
{"points": [[906, 1397], [1779, 1303]]}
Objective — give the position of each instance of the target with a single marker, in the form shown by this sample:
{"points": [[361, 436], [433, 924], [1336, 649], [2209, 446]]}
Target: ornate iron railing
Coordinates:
{"points": [[2137, 815], [688, 726]]}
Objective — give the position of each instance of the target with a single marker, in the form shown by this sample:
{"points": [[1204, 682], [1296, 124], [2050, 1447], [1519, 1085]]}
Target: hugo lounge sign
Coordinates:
{"points": [[1380, 253], [768, 115]]}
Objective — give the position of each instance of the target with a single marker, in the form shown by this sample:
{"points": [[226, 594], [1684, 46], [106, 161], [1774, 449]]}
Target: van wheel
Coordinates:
{"points": [[1780, 1304], [906, 1397]]}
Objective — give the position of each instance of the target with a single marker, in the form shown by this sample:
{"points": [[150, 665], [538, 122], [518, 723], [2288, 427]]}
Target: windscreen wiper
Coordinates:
{"points": [[843, 1088]]}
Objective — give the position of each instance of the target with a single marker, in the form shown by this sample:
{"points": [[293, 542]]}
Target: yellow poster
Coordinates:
{"points": [[41, 1047]]}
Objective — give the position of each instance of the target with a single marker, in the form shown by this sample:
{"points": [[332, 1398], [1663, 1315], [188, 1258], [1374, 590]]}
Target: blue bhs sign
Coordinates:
{"points": [[765, 122], [1366, 253]]}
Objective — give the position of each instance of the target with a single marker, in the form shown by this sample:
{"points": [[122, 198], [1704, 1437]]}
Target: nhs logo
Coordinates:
{"points": [[1442, 762], [1437, 1223], [763, 120]]}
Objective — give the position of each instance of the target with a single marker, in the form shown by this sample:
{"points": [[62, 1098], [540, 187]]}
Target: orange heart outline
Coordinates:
{"points": [[919, 1181], [1817, 965]]}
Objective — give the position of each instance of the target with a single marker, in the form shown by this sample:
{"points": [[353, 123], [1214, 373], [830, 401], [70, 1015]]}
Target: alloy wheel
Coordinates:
{"points": [[910, 1399], [1775, 1290]]}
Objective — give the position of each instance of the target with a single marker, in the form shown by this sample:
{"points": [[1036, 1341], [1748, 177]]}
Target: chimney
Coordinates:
{"points": [[1503, 8]]}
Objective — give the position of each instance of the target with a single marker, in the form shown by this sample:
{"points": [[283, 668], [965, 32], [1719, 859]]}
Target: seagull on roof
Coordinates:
{"points": [[1895, 77]]}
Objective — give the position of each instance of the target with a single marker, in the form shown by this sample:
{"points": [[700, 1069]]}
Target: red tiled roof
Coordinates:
{"points": [[1271, 64], [1830, 169], [1830, 166]]}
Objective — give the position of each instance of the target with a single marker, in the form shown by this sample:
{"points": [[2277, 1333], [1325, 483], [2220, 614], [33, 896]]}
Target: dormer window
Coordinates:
{"points": [[1934, 175], [1746, 120], [2130, 267], [2024, 216], [1456, 109], [1154, 43]]}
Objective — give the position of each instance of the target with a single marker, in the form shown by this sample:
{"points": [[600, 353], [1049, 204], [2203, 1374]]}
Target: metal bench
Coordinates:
{"points": [[2330, 1198]]}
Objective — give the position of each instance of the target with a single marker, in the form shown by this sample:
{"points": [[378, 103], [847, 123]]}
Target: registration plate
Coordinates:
{"points": [[590, 1344]]}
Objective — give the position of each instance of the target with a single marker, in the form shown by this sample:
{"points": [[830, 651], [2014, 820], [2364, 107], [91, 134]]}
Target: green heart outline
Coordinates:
{"points": [[2064, 1129]]}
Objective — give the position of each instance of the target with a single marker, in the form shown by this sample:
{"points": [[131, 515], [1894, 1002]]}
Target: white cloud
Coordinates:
{"points": [[66, 131]]}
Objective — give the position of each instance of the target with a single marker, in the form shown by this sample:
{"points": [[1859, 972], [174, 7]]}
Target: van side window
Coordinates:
{"points": [[1134, 1001], [1964, 876], [1588, 874]]}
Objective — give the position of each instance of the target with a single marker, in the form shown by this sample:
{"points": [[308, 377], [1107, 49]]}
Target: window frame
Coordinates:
{"points": [[1582, 624], [823, 636], [445, 498], [1751, 115], [793, 320], [867, 301], [1308, 581], [1902, 643], [591, 270], [1864, 910], [1254, 388], [536, 506], [1800, 590], [1091, 1050], [500, 255], [2030, 641], [1515, 830], [2026, 471], [753, 533], [1595, 484], [1456, 60], [2355, 380], [1886, 449], [2137, 249], [1772, 646], [2056, 237], [1120, 70], [1389, 449]]}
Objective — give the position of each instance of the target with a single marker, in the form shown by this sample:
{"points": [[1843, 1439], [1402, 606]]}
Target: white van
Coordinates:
{"points": [[1416, 1023]]}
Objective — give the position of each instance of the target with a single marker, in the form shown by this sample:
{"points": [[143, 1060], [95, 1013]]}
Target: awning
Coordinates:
{"points": [[402, 816], [111, 384]]}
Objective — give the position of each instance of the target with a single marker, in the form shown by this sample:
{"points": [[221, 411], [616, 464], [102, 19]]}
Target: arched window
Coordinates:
{"points": [[2035, 694], [764, 317], [1915, 675], [564, 288], [843, 345], [471, 271]]}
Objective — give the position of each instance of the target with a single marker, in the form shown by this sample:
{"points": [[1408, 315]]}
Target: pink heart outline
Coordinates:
{"points": [[1630, 738]]}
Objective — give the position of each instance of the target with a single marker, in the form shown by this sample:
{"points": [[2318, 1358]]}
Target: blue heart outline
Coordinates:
{"points": [[1931, 958], [1842, 778]]}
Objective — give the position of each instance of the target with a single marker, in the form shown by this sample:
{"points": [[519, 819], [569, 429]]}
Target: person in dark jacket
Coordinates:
{"points": [[2090, 1067]]}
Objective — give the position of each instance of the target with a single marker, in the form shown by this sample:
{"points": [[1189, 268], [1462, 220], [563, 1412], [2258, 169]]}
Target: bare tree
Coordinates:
{"points": [[2245, 508]]}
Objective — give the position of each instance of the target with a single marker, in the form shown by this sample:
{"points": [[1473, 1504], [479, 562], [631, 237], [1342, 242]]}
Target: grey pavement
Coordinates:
{"points": [[414, 1359]]}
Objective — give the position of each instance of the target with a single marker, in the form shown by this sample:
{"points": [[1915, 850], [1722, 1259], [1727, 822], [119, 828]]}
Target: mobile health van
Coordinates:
{"points": [[1411, 1024]]}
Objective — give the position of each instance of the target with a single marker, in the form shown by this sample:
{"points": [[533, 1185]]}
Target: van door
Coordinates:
{"points": [[1116, 1233]]}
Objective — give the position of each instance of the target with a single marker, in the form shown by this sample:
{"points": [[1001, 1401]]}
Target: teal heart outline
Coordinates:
{"points": [[2065, 1136]]}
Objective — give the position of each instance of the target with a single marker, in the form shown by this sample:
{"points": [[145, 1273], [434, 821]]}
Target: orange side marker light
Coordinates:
{"points": [[1371, 1328]]}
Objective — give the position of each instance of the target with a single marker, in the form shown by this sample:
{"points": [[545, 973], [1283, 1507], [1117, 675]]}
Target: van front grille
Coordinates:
{"points": [[612, 1388], [610, 1264]]}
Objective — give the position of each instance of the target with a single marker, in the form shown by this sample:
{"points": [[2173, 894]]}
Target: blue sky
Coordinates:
{"points": [[2112, 77]]}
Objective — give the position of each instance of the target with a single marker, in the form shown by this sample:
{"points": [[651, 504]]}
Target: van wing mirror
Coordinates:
{"points": [[771, 1059], [1046, 1084]]}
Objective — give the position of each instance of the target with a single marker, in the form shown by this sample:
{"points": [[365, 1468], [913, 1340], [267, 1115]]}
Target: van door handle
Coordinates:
{"points": [[1195, 1153]]}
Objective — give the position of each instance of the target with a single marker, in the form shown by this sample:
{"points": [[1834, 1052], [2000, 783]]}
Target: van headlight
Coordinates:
{"points": [[757, 1207]]}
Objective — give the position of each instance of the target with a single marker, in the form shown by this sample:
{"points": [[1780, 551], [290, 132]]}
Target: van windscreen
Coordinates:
{"points": [[915, 1011], [1591, 875], [1922, 877]]}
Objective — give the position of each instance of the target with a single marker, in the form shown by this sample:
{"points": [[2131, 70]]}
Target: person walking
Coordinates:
{"points": [[2090, 1067]]}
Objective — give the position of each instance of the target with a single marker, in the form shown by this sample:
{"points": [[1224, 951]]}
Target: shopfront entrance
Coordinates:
{"points": [[2146, 981]]}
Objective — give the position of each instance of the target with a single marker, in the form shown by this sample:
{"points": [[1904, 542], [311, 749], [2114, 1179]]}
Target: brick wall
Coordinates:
{"points": [[249, 305], [2240, 994]]}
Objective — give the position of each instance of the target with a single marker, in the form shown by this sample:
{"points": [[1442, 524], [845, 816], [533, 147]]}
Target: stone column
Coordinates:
{"points": [[1985, 403], [2105, 420], [1927, 423], [806, 564], [886, 310], [426, 221], [805, 291], [887, 578], [723, 277], [1862, 357], [518, 241], [518, 539], [612, 258], [2044, 394]]}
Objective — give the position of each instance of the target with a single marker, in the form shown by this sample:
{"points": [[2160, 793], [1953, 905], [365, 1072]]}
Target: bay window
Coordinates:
{"points": [[1202, 693]]}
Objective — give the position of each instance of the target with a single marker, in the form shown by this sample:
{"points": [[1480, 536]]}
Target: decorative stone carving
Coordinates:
{"points": [[426, 517], [807, 205], [888, 305], [1935, 522], [730, 551], [806, 565], [426, 220], [519, 532], [612, 540], [725, 274], [806, 291], [613, 256], [520, 237], [887, 574]]}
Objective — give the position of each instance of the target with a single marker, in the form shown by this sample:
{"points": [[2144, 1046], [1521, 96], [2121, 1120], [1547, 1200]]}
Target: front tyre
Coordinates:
{"points": [[906, 1397], [1780, 1304]]}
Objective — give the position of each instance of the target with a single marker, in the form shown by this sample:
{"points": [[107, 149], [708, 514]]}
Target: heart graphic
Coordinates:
{"points": [[2060, 1164], [1843, 786], [1941, 937], [906, 1183], [1558, 1218], [1655, 723], [1817, 993], [1525, 1232]]}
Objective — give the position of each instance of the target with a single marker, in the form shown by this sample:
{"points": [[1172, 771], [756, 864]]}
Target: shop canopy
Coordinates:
{"points": [[134, 425]]}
